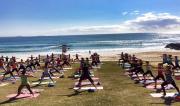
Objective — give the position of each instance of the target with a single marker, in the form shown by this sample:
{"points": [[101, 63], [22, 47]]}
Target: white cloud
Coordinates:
{"points": [[147, 22], [136, 12], [124, 13], [154, 22]]}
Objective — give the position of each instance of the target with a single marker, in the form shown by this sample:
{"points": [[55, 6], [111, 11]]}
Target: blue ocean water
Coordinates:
{"points": [[87, 42]]}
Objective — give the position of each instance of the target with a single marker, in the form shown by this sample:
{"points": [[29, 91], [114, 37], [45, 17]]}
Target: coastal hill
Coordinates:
{"points": [[175, 46]]}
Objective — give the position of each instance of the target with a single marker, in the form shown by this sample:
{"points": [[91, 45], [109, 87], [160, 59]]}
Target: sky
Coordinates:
{"points": [[73, 17]]}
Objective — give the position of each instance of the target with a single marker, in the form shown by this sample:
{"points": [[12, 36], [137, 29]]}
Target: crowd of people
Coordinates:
{"points": [[50, 64], [165, 69]]}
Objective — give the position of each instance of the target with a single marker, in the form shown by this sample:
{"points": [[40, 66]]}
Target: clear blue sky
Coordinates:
{"points": [[49, 14]]}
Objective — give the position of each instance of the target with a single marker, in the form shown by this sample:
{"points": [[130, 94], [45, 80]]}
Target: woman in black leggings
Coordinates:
{"points": [[169, 80], [148, 71], [86, 75], [139, 68], [9, 71]]}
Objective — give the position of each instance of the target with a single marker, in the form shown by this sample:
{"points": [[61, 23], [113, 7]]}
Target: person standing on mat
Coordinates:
{"points": [[139, 68], [148, 71], [169, 60], [14, 66], [24, 83], [165, 58], [85, 75], [45, 74], [160, 74], [9, 71], [2, 65], [176, 66], [169, 80], [22, 65]]}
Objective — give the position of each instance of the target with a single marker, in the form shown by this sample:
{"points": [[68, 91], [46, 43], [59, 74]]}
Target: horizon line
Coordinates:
{"points": [[84, 34]]}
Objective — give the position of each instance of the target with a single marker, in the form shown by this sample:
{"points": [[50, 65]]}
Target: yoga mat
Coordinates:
{"points": [[23, 96], [87, 88], [177, 74], [46, 78], [127, 69], [142, 78], [1, 73], [27, 74], [177, 98], [85, 83], [59, 71], [67, 68], [34, 91], [10, 78], [152, 86], [93, 78], [3, 84], [96, 67], [78, 76], [150, 81], [177, 71], [127, 65], [177, 77], [134, 76], [158, 95], [43, 83]]}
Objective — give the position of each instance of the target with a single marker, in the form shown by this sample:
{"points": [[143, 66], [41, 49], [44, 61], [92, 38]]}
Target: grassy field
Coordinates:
{"points": [[119, 90]]}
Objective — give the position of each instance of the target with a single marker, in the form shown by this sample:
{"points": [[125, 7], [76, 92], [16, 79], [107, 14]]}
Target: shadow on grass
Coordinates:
{"points": [[35, 86], [74, 94], [168, 101], [10, 100]]}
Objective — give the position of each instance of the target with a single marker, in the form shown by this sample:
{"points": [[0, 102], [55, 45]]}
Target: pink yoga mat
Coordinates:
{"points": [[25, 91], [159, 87], [23, 96], [177, 77]]}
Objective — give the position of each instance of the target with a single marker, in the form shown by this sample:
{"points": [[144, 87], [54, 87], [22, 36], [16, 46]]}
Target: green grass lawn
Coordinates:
{"points": [[119, 90]]}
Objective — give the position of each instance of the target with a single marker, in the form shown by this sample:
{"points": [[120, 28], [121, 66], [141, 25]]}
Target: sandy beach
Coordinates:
{"points": [[150, 55]]}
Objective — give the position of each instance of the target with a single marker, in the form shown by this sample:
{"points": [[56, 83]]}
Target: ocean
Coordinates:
{"points": [[83, 43]]}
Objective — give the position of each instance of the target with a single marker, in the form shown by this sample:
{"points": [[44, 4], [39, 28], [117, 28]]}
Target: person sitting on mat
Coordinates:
{"points": [[160, 74], [148, 71], [24, 83], [169, 80], [85, 75]]}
